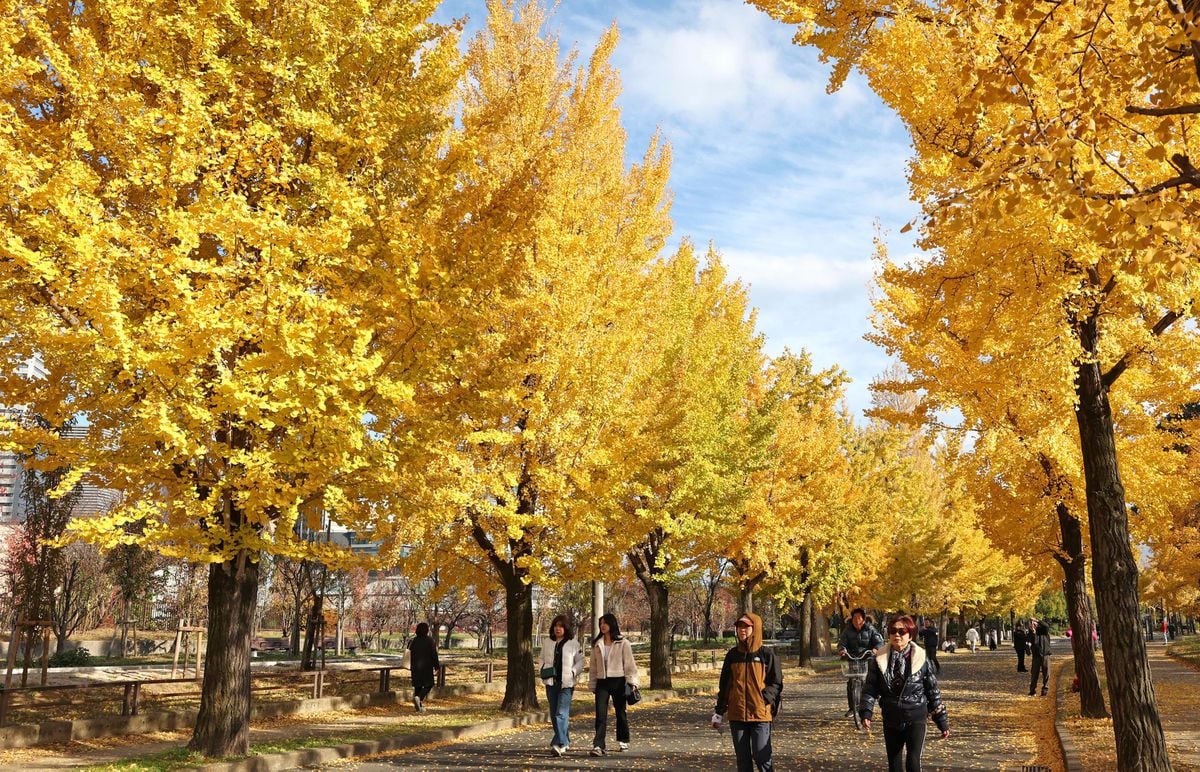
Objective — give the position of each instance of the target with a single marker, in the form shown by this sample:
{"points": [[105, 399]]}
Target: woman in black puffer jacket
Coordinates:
{"points": [[900, 678]]}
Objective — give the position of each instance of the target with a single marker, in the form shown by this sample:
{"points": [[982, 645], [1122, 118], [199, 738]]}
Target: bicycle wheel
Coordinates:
{"points": [[856, 693]]}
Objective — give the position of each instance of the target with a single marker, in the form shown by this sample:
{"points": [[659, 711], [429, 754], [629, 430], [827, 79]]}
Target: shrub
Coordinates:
{"points": [[71, 658]]}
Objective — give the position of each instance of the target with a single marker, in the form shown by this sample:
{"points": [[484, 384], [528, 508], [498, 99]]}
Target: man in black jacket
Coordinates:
{"points": [[1021, 644], [857, 638], [1041, 658], [929, 637]]}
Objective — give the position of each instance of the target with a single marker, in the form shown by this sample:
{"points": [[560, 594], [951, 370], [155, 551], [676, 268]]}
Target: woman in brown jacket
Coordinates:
{"points": [[751, 686]]}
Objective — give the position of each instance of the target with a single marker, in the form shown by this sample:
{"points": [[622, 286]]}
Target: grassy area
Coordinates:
{"points": [[1186, 648], [292, 733]]}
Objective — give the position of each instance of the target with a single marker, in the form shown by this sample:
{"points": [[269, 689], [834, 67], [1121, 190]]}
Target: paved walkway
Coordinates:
{"points": [[994, 726]]}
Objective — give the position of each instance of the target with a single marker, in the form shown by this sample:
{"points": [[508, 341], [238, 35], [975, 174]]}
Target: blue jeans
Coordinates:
{"points": [[560, 713], [752, 744]]}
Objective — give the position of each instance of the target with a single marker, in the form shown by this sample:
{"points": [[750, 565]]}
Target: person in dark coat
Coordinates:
{"points": [[857, 638], [929, 637], [901, 679], [1021, 644], [422, 664], [1041, 659]]}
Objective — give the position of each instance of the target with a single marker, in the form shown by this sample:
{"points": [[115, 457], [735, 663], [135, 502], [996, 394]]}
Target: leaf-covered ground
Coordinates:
{"points": [[994, 726], [1176, 684]]}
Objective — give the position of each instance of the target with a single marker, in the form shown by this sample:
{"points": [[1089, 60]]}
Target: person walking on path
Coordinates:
{"points": [[1020, 643], [1041, 659], [1165, 629], [903, 683], [972, 639], [422, 664], [857, 638], [560, 665], [929, 638], [749, 693], [612, 668]]}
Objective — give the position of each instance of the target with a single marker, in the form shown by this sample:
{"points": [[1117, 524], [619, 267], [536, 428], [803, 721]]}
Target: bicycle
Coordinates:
{"points": [[855, 671]]}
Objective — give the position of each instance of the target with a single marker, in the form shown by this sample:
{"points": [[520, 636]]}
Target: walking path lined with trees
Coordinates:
{"points": [[995, 725], [442, 314]]}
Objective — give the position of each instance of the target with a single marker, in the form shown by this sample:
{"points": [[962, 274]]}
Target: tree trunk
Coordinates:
{"points": [[820, 633], [806, 630], [746, 598], [223, 723], [312, 631], [520, 693], [294, 636], [1141, 745], [1074, 565], [657, 595]]}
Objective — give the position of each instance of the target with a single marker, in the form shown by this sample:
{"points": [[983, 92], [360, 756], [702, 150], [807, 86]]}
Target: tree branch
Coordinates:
{"points": [[1176, 110]]}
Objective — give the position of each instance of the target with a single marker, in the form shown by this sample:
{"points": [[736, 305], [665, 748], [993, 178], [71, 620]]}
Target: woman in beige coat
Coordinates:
{"points": [[612, 667]]}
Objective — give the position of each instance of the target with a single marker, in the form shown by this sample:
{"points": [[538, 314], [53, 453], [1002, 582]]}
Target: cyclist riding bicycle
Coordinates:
{"points": [[858, 639]]}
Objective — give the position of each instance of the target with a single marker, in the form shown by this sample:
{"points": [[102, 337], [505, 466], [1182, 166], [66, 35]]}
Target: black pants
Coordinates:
{"points": [[752, 744], [897, 739], [931, 655], [614, 688], [1039, 664], [422, 690], [1021, 660]]}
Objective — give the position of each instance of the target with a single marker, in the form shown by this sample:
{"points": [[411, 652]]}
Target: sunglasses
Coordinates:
{"points": [[898, 631]]}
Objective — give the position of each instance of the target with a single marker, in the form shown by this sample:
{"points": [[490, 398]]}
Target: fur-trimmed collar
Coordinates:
{"points": [[918, 657]]}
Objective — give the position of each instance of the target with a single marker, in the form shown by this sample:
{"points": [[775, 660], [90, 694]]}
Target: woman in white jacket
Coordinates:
{"points": [[560, 665], [612, 667]]}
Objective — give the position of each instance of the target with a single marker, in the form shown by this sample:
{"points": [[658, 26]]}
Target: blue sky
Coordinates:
{"points": [[787, 181]]}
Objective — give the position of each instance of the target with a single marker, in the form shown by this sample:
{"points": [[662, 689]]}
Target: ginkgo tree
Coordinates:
{"points": [[1082, 115], [696, 433], [211, 231], [799, 529], [526, 424]]}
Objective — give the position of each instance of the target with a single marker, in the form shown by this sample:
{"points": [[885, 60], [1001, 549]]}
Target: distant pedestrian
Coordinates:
{"points": [[612, 669], [1041, 658], [992, 637], [1164, 630], [750, 687], [900, 678], [422, 664], [1021, 644], [972, 639], [929, 637], [560, 665]]}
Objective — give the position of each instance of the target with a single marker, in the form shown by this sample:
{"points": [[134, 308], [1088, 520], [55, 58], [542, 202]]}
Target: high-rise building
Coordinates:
{"points": [[10, 466], [92, 498]]}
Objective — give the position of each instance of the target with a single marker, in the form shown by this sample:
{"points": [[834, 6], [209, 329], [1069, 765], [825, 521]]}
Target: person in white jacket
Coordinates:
{"points": [[611, 669], [560, 665], [972, 638]]}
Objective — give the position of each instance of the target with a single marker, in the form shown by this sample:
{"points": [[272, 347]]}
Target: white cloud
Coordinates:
{"points": [[798, 274], [710, 67]]}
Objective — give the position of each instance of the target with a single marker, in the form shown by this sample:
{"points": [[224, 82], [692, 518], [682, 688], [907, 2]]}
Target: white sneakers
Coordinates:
{"points": [[418, 704], [597, 750], [558, 750], [622, 746]]}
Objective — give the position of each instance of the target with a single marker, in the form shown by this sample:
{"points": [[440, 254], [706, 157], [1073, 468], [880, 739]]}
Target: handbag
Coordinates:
{"points": [[633, 695], [547, 673]]}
